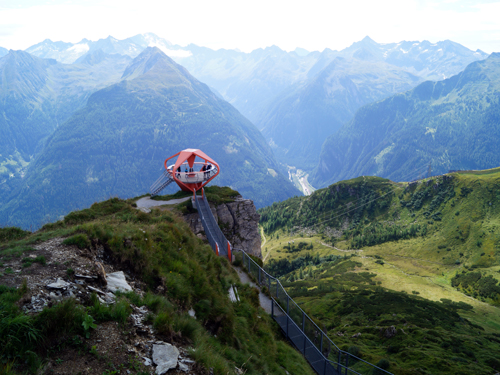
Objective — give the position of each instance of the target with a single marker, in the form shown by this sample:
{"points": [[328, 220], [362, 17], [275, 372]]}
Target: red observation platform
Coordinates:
{"points": [[192, 170]]}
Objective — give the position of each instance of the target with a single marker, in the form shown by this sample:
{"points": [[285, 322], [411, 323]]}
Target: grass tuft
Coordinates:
{"points": [[80, 240]]}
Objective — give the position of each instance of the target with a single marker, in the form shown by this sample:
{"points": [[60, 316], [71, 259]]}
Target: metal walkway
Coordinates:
{"points": [[216, 238], [321, 353]]}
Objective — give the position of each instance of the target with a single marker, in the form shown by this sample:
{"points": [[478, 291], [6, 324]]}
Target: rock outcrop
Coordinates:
{"points": [[238, 220]]}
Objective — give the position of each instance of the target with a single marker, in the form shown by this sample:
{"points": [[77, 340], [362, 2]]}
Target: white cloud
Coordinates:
{"points": [[247, 25]]}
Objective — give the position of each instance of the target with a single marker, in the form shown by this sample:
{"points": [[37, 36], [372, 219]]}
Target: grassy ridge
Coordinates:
{"points": [[160, 249], [366, 254]]}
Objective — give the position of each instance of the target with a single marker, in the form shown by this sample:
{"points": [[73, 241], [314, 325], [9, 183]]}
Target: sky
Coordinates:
{"points": [[248, 25]]}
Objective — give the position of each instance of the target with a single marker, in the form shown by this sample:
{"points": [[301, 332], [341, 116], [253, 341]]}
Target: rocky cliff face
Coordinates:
{"points": [[238, 220]]}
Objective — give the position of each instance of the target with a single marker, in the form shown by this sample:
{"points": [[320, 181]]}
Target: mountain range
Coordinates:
{"points": [[68, 53], [38, 95], [452, 124], [116, 144], [296, 99], [298, 122]]}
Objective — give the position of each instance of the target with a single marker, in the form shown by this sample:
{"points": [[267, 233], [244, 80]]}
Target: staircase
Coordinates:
{"points": [[161, 183]]}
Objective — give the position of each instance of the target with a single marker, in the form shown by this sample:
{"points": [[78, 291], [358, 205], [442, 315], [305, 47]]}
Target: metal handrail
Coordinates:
{"points": [[163, 181], [210, 236], [212, 239], [218, 232], [218, 236], [324, 335]]}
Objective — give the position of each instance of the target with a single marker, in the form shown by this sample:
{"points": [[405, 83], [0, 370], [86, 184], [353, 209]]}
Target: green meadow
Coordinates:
{"points": [[368, 254]]}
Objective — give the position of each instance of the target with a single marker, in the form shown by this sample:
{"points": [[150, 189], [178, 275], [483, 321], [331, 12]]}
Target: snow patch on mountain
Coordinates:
{"points": [[170, 52]]}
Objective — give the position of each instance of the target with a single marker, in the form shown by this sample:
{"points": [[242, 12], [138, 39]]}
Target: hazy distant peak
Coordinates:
{"points": [[153, 38], [19, 54], [27, 74], [92, 57], [301, 51], [146, 61], [367, 39], [363, 54], [273, 48], [24, 60]]}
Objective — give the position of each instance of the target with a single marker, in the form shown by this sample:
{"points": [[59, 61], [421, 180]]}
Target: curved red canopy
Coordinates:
{"points": [[190, 155]]}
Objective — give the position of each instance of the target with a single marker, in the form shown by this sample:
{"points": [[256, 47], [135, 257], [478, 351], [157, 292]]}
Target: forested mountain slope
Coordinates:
{"points": [[36, 96], [116, 144], [453, 124], [251, 81], [297, 100], [298, 122], [406, 272]]}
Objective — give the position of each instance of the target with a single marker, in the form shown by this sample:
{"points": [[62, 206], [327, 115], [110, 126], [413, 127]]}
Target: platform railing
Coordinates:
{"points": [[161, 183], [194, 176]]}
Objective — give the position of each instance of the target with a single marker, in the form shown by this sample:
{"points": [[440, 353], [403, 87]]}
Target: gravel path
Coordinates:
{"points": [[265, 301], [147, 202]]}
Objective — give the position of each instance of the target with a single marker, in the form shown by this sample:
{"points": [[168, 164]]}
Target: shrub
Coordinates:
{"points": [[12, 233], [53, 226], [118, 312], [256, 260], [62, 320], [383, 364], [393, 349], [354, 350], [157, 303], [163, 322], [29, 261], [202, 309], [80, 240], [493, 363], [186, 326]]}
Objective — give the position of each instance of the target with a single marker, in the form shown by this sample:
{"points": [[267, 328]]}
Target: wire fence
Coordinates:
{"points": [[319, 350]]}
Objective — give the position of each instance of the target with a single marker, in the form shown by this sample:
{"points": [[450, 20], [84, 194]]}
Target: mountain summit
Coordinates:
{"points": [[453, 124], [116, 144]]}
